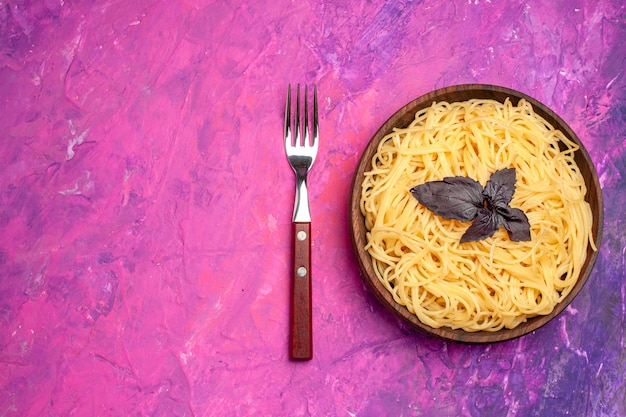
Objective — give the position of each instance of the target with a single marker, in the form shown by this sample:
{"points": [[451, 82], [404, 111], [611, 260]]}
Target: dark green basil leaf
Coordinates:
{"points": [[484, 226], [517, 225], [457, 198], [500, 188]]}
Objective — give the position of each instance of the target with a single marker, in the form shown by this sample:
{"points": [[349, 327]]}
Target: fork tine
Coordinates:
{"points": [[287, 130], [315, 118], [305, 128], [297, 123]]}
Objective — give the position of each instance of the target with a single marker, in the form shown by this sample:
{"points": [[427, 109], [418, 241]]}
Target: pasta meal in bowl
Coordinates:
{"points": [[476, 214]]}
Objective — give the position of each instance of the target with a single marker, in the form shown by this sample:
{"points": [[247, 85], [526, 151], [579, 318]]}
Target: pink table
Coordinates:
{"points": [[145, 206]]}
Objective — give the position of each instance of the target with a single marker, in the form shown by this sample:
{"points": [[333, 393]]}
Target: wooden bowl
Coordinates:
{"points": [[403, 118]]}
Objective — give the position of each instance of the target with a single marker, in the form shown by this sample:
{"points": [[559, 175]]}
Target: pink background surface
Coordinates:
{"points": [[146, 206]]}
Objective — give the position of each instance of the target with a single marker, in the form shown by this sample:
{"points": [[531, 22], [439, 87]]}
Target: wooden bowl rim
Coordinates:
{"points": [[402, 118]]}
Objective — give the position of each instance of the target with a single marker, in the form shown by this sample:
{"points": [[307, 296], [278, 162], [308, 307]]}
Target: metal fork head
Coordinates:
{"points": [[301, 141], [301, 148]]}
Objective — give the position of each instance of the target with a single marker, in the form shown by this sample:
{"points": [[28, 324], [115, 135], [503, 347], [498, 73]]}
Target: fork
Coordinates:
{"points": [[301, 149]]}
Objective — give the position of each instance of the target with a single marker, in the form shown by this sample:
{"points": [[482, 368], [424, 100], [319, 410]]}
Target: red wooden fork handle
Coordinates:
{"points": [[301, 321]]}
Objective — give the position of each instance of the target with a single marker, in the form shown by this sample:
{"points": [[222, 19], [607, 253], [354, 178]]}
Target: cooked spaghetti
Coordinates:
{"points": [[494, 283]]}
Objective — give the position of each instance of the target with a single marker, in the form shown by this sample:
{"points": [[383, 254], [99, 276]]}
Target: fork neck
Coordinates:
{"points": [[301, 211]]}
